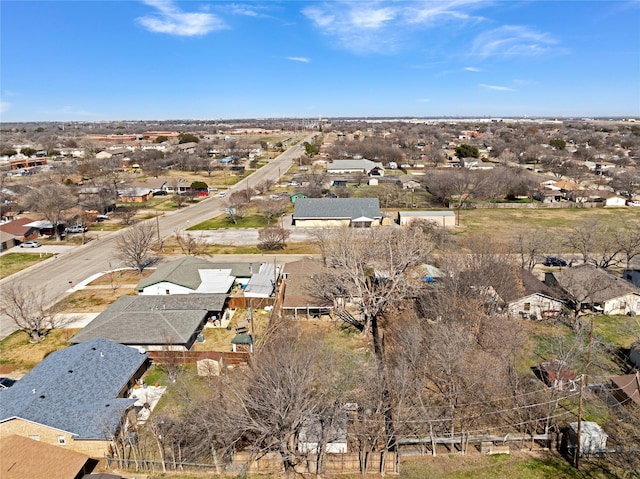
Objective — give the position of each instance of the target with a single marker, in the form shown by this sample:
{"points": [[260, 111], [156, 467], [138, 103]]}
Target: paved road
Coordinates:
{"points": [[56, 276]]}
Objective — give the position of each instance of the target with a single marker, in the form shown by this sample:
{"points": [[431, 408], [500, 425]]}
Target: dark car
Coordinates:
{"points": [[6, 383], [553, 261], [160, 193]]}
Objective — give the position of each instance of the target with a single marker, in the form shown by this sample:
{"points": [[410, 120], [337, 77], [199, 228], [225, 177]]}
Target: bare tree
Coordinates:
{"points": [[272, 208], [368, 273], [628, 241], [530, 244], [134, 245], [51, 200], [272, 238], [29, 310], [191, 244], [596, 242]]}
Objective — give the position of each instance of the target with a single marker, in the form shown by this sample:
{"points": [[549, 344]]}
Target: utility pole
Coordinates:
{"points": [[584, 380], [158, 229]]}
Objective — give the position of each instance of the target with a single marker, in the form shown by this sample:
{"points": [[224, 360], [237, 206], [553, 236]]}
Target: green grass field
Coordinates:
{"points": [[11, 263]]}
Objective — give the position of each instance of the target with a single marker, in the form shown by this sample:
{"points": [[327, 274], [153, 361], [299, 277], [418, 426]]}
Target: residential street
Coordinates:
{"points": [[55, 276]]}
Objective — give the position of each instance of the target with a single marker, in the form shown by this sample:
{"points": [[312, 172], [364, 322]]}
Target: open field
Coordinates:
{"points": [[11, 263], [506, 221], [91, 300]]}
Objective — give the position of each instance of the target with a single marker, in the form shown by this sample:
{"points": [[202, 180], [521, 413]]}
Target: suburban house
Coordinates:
{"points": [[325, 212], [135, 195], [188, 275], [588, 287], [367, 167], [76, 397], [21, 457], [626, 389], [20, 230], [154, 323], [444, 219], [539, 301], [549, 195], [615, 201], [7, 240], [298, 303]]}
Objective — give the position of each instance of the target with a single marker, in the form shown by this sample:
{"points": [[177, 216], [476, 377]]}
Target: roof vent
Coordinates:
{"points": [[106, 405], [42, 396], [102, 355], [33, 391], [70, 371]]}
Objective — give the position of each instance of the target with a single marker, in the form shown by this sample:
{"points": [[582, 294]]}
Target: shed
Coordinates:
{"points": [[242, 342], [593, 439], [556, 373]]}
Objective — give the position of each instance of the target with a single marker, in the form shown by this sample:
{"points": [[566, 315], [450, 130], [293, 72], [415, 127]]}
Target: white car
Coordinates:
{"points": [[76, 229], [222, 194], [633, 203], [30, 244]]}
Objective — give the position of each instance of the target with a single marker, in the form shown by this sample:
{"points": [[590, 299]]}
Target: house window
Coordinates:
{"points": [[166, 291], [61, 440], [35, 438], [527, 307]]}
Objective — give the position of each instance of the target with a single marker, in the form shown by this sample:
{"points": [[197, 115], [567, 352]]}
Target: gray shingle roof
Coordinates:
{"points": [[152, 320], [184, 272], [579, 282], [76, 389], [336, 208]]}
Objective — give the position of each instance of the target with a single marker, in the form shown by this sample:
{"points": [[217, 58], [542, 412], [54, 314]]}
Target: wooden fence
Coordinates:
{"points": [[192, 357], [268, 464], [240, 302]]}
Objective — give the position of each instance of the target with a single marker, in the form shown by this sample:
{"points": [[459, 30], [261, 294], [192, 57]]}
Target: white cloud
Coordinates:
{"points": [[496, 87], [472, 69], [171, 20], [299, 59], [381, 25], [512, 40], [371, 18], [5, 106]]}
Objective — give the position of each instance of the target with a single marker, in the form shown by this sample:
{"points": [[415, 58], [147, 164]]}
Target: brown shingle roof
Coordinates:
{"points": [[629, 385], [21, 457]]}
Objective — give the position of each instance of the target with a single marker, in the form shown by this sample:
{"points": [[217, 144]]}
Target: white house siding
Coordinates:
{"points": [[533, 306], [162, 288], [447, 220], [623, 304], [322, 223]]}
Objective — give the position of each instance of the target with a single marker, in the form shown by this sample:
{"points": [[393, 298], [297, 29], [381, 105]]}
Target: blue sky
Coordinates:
{"points": [[163, 59]]}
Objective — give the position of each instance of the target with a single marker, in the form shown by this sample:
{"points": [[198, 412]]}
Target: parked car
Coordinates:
{"points": [[102, 218], [30, 244], [633, 203], [222, 194], [160, 193], [553, 261], [76, 229], [6, 383]]}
